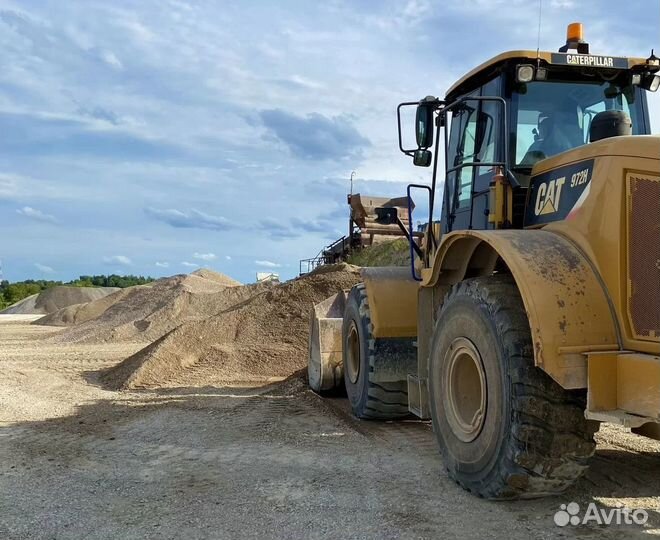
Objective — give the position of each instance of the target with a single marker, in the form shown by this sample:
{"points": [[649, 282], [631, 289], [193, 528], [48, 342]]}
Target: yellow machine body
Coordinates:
{"points": [[585, 256], [530, 310], [590, 282], [392, 297]]}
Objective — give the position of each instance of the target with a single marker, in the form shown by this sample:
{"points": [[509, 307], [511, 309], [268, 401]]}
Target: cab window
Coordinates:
{"points": [[476, 125], [460, 152], [554, 117], [467, 155]]}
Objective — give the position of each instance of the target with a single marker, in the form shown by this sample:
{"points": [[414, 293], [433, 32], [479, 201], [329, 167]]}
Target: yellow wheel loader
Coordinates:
{"points": [[531, 311]]}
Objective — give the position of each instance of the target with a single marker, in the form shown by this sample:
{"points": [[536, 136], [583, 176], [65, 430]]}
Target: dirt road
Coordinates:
{"points": [[79, 461]]}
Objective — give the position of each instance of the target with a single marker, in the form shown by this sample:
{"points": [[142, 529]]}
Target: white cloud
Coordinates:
{"points": [[8, 186], [307, 83], [205, 256], [37, 215], [190, 219], [228, 257], [44, 268], [267, 264], [562, 3], [163, 264], [19, 187], [166, 154], [417, 9], [118, 259], [111, 59], [189, 264]]}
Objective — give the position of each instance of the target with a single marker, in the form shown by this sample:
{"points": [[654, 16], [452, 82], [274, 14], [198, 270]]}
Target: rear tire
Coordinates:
{"points": [[505, 428], [375, 369]]}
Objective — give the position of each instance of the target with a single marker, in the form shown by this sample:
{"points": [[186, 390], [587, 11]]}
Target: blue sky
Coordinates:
{"points": [[150, 137]]}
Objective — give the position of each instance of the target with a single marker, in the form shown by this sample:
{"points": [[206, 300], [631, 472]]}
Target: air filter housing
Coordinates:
{"points": [[610, 124]]}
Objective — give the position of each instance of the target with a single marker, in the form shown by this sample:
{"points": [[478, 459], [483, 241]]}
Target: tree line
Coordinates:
{"points": [[10, 293]]}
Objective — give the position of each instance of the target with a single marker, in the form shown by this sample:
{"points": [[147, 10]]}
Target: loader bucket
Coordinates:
{"points": [[324, 366]]}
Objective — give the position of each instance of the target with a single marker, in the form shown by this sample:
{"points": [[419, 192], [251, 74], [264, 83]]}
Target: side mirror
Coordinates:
{"points": [[424, 125], [651, 82], [422, 158]]}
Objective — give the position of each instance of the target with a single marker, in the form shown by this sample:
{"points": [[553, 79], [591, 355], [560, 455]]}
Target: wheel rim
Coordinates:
{"points": [[465, 389], [353, 353]]}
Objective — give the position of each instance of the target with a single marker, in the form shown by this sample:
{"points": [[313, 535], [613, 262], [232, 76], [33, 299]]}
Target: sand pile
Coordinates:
{"points": [[57, 298], [216, 276], [79, 313], [261, 337], [146, 312]]}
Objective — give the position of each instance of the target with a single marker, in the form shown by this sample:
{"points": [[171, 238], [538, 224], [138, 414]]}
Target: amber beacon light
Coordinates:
{"points": [[575, 39], [575, 32]]}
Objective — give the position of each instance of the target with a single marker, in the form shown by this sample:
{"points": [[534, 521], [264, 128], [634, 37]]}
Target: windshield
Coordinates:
{"points": [[553, 117]]}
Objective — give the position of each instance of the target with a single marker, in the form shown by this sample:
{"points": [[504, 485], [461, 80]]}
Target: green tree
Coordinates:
{"points": [[10, 293]]}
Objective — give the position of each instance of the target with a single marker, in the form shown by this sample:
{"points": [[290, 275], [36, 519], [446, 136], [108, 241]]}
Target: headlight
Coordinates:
{"points": [[525, 73]]}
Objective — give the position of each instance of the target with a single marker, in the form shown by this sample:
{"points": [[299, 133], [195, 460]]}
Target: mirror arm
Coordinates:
{"points": [[414, 248]]}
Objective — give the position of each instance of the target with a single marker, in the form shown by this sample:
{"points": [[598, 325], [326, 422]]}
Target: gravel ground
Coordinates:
{"points": [[79, 461]]}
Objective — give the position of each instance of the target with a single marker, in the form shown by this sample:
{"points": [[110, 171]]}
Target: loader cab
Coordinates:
{"points": [[508, 114], [506, 118]]}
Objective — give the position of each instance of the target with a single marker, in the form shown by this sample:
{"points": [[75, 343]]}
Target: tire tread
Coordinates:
{"points": [[385, 400], [551, 441]]}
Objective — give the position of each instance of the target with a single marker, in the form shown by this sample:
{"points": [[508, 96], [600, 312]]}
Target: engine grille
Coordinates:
{"points": [[644, 255]]}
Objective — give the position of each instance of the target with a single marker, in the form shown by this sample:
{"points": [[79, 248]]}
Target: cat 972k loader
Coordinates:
{"points": [[531, 311]]}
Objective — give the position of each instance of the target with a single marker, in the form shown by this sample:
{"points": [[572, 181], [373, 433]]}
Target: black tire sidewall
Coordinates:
{"points": [[357, 392], [468, 317]]}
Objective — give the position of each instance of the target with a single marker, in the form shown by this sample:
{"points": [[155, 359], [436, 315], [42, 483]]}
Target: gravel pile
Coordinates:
{"points": [[261, 336], [57, 298], [144, 313]]}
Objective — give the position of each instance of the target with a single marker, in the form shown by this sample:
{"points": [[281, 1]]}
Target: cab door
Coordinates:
{"points": [[473, 139]]}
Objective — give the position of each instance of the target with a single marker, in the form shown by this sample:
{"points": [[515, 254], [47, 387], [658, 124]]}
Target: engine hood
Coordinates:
{"points": [[641, 146]]}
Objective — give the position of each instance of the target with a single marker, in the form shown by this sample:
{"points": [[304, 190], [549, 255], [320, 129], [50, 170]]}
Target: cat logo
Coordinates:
{"points": [[548, 197], [558, 194]]}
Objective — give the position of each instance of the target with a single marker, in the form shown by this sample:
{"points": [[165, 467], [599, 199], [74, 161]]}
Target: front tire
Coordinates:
{"points": [[505, 428], [375, 369]]}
